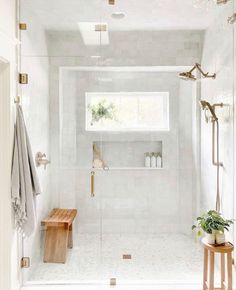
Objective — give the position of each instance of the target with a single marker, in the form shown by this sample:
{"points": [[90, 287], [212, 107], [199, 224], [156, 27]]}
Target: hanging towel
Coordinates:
{"points": [[25, 182]]}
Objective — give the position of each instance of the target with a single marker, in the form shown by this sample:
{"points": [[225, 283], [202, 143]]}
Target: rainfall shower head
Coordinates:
{"points": [[189, 74], [207, 107]]}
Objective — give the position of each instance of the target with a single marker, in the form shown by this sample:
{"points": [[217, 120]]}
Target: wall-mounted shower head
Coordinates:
{"points": [[189, 74], [206, 106], [221, 2]]}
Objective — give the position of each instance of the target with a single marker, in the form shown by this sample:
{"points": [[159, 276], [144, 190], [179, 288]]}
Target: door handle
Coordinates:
{"points": [[92, 183]]}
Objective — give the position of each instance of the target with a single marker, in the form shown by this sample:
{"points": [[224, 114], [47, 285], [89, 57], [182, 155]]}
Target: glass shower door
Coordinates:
{"points": [[104, 98]]}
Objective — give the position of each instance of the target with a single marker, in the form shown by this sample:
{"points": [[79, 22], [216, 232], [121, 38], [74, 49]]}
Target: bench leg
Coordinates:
{"points": [[55, 247], [205, 269], [222, 262], [212, 270], [229, 268], [70, 237]]}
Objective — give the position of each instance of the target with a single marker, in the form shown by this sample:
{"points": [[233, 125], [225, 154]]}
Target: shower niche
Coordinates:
{"points": [[124, 155]]}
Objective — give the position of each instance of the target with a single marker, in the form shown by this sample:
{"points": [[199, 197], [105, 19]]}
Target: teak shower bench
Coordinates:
{"points": [[59, 235]]}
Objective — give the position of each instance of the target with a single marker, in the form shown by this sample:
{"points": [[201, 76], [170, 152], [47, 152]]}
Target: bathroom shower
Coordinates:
{"points": [[123, 137], [210, 115]]}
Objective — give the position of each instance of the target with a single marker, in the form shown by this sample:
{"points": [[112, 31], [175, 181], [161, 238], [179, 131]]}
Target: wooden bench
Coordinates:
{"points": [[59, 234]]}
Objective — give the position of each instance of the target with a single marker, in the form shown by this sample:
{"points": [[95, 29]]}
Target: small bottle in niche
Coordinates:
{"points": [[153, 160], [159, 161], [147, 159]]}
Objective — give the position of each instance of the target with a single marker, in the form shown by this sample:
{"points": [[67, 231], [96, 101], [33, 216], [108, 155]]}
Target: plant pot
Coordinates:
{"points": [[220, 238], [210, 238]]}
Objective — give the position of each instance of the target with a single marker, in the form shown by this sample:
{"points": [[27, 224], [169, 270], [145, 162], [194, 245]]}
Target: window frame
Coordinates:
{"points": [[165, 95]]}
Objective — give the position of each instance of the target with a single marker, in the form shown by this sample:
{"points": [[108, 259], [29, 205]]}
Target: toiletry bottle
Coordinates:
{"points": [[147, 160], [153, 160], [159, 161]]}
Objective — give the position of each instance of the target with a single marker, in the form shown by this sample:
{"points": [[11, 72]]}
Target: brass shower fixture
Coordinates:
{"points": [[220, 2], [206, 106], [111, 2], [189, 74]]}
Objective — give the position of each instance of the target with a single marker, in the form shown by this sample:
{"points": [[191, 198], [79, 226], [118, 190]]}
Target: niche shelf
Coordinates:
{"points": [[128, 168], [125, 155]]}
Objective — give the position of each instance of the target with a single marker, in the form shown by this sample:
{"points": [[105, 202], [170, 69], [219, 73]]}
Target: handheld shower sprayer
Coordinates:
{"points": [[207, 107]]}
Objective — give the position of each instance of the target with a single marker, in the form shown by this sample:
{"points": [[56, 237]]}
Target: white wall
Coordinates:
{"points": [[189, 153], [129, 200], [147, 48], [160, 192], [218, 57]]}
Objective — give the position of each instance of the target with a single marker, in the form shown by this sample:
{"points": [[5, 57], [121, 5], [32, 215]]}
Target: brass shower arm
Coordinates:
{"points": [[189, 76], [217, 105], [206, 75]]}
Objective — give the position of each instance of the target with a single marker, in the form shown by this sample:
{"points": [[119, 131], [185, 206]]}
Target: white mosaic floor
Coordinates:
{"points": [[155, 258]]}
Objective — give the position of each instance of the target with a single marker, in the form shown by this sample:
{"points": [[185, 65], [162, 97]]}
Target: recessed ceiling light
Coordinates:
{"points": [[118, 15]]}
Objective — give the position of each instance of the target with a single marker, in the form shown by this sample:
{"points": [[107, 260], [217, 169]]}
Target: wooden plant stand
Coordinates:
{"points": [[225, 251], [59, 234]]}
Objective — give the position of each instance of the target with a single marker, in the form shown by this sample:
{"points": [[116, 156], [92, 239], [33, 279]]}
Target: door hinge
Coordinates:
{"points": [[127, 257], [232, 19], [23, 78], [100, 27], [113, 282], [22, 26], [25, 262]]}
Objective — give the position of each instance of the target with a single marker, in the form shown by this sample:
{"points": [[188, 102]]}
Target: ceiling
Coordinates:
{"points": [[139, 14]]}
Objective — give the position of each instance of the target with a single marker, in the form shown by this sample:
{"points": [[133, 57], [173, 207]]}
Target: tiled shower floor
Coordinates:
{"points": [[155, 257]]}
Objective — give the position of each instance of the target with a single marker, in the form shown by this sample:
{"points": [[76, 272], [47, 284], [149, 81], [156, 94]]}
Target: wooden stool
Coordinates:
{"points": [[58, 234], [223, 250]]}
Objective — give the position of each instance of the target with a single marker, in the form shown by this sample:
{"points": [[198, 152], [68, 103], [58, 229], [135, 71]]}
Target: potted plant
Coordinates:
{"points": [[102, 111], [213, 225]]}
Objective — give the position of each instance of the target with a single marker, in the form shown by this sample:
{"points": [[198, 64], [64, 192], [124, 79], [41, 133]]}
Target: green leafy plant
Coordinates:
{"points": [[212, 221], [102, 110]]}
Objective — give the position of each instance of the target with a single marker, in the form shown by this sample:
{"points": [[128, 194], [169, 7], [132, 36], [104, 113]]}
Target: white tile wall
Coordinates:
{"points": [[218, 57], [131, 47], [126, 201]]}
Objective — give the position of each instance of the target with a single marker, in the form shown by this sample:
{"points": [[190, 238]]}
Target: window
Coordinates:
{"points": [[127, 111]]}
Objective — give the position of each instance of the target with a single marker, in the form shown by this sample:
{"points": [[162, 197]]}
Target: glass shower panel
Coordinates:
{"points": [[142, 206], [54, 107]]}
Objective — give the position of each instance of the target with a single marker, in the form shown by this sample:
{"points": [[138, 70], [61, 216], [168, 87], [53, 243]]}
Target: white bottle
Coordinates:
{"points": [[159, 161], [153, 160], [147, 160]]}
